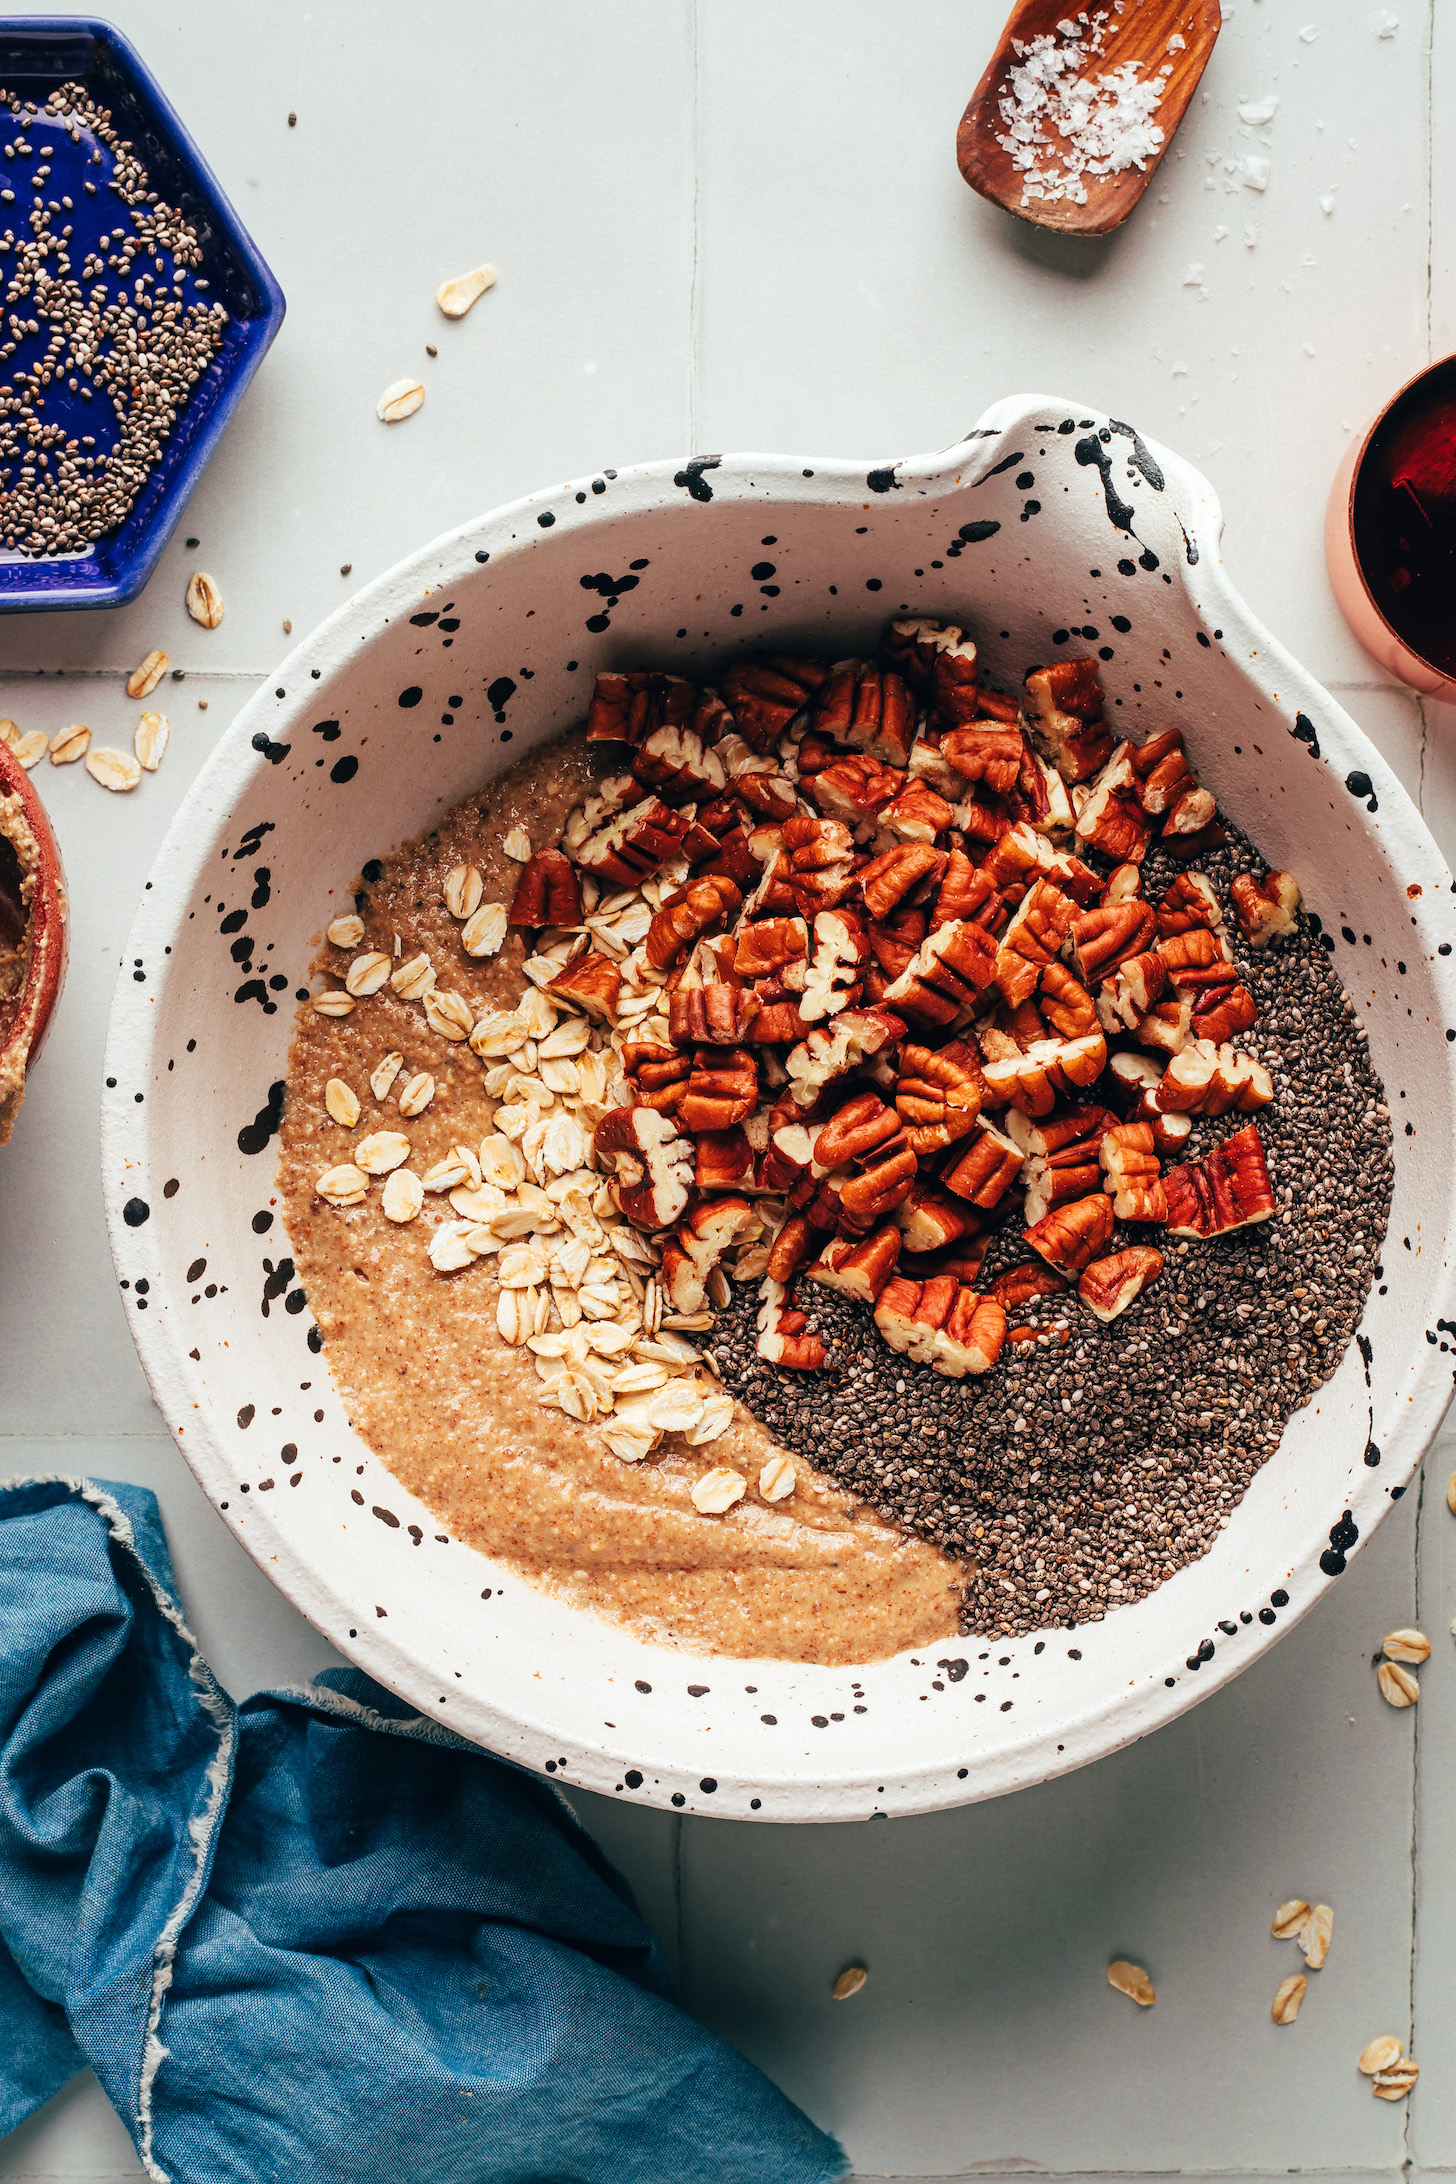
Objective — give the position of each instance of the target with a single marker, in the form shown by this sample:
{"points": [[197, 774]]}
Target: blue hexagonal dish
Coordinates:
{"points": [[36, 57]]}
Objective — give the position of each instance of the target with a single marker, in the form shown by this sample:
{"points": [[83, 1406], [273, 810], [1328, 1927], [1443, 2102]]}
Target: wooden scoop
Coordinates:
{"points": [[1147, 33]]}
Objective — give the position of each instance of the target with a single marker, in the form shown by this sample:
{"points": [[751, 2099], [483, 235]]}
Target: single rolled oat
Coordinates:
{"points": [[30, 749], [778, 1478], [115, 770], [716, 1491], [456, 296], [143, 680], [69, 744], [1133, 1981], [1288, 1996], [381, 1151], [1316, 1935], [463, 889], [366, 974], [1380, 2053], [849, 1982], [403, 1195], [517, 846], [342, 1102], [345, 1185], [1411, 1646], [333, 1001], [149, 740], [400, 399], [1398, 1687], [1393, 2083], [413, 978], [449, 1015], [384, 1072], [483, 932], [1289, 1919], [347, 931], [417, 1094], [204, 599]]}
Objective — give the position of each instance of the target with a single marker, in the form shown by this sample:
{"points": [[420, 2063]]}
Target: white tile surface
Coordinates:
{"points": [[726, 223]]}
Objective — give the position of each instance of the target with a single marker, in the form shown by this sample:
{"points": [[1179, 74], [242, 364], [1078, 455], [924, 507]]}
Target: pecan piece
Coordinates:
{"points": [[1066, 1003], [723, 1158], [716, 1015], [1070, 1237], [965, 893], [1189, 903], [1061, 1155], [1124, 884], [547, 892], [722, 1089], [951, 966], [939, 664], [984, 1172], [1132, 1083], [685, 916], [628, 708], [970, 1337], [1166, 1026], [1228, 1190], [930, 1221], [1104, 937], [858, 1270], [886, 1178], [1206, 1079], [651, 1164], [1162, 770], [868, 708], [1221, 1010], [792, 1248], [766, 950], [593, 982], [1128, 1154], [917, 814], [778, 1023], [630, 848], [1108, 1286], [1212, 836], [672, 761], [820, 855], [887, 879], [1265, 908], [1136, 986], [832, 980], [856, 790], [1065, 704], [909, 1314], [1017, 857], [783, 1337], [788, 1159], [1022, 1285], [1112, 819], [694, 1249], [1197, 949], [1038, 931], [861, 1126], [831, 1050], [938, 1095], [1032, 1080], [988, 753], [766, 693]]}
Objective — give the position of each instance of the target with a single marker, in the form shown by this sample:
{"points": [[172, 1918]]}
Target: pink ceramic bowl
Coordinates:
{"points": [[1348, 565]]}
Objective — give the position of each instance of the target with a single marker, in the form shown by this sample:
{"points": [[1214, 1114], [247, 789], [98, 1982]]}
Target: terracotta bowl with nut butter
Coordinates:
{"points": [[1048, 518], [33, 932]]}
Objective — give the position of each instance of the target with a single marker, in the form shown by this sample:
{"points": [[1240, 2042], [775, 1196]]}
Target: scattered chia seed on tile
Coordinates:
{"points": [[1092, 1463]]}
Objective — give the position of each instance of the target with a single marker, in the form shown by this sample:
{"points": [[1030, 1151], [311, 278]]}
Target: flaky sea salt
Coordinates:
{"points": [[1063, 122]]}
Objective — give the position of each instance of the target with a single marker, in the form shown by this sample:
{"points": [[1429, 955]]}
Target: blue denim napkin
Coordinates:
{"points": [[316, 1935]]}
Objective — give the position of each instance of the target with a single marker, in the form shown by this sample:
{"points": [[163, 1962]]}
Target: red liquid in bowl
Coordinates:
{"points": [[1404, 517]]}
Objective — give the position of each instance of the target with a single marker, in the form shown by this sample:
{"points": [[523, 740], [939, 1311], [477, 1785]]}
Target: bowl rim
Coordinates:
{"points": [[141, 561], [1436, 682], [1075, 1739]]}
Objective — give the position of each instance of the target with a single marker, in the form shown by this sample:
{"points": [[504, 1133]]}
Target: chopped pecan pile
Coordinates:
{"points": [[891, 981]]}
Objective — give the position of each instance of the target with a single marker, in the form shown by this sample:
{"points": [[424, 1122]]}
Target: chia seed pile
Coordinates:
{"points": [[1098, 1460], [128, 349]]}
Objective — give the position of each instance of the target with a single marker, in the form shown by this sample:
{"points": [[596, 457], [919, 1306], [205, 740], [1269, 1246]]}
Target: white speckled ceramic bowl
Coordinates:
{"points": [[1042, 519]]}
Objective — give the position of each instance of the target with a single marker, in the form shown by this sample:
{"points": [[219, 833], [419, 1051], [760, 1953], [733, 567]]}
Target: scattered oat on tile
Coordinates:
{"points": [[403, 1195], [333, 1001], [1316, 1935], [717, 1491], [463, 888], [456, 296], [347, 931], [149, 740], [1288, 1996], [1380, 2054], [400, 399], [115, 770], [383, 1074], [1451, 1493], [9, 733], [342, 1102], [1131, 1980], [69, 744], [1398, 1687], [204, 599], [143, 680], [1411, 1646], [849, 1982], [345, 1185], [778, 1478], [30, 749], [1394, 2082]]}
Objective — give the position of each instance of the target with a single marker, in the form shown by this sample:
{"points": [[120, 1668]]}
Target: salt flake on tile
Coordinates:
{"points": [[1260, 110]]}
